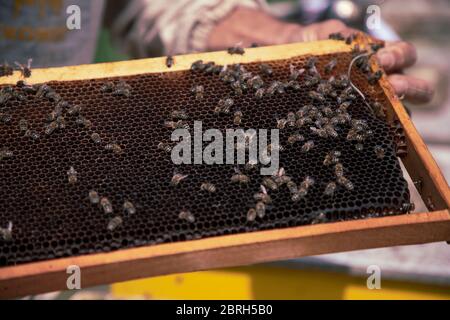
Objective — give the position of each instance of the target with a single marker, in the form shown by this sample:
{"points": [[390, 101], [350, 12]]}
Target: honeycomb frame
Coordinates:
{"points": [[280, 244]]}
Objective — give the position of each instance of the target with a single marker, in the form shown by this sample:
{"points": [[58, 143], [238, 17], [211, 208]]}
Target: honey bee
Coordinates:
{"points": [[180, 124], [51, 127], [359, 125], [114, 147], [236, 50], [187, 216], [240, 178], [330, 189], [380, 152], [237, 118], [295, 73], [263, 196], [177, 179], [164, 146], [53, 97], [198, 66], [129, 207], [237, 87], [269, 183], [291, 119], [373, 78], [317, 96], [311, 62], [256, 82], [210, 68], [274, 146], [350, 39], [224, 106], [208, 187], [320, 132], [281, 178], [74, 110], [179, 115], [330, 66], [260, 209], [408, 207], [25, 70], [23, 125], [343, 181], [107, 87], [43, 90], [321, 218], [328, 111], [6, 70], [296, 197], [281, 123], [331, 131], [301, 122], [376, 46], [251, 215], [32, 134], [106, 205], [266, 69], [294, 84], [275, 86], [122, 89], [292, 186], [95, 137], [260, 93], [198, 91], [332, 158], [5, 118], [72, 175], [6, 233], [52, 116], [250, 166], [169, 61], [94, 198], [342, 81], [339, 170], [6, 154], [295, 138], [308, 146], [61, 121], [114, 223], [379, 109], [336, 36], [82, 121], [5, 97], [307, 183]]}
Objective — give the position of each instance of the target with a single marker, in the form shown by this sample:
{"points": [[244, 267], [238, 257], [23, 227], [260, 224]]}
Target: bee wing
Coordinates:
{"points": [[263, 189]]}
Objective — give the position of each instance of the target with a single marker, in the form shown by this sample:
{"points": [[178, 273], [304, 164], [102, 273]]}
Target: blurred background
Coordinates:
{"points": [[407, 272]]}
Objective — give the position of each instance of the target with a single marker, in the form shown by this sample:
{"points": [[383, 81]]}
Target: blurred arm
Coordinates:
{"points": [[156, 27]]}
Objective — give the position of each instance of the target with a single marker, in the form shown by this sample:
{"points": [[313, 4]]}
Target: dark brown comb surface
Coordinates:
{"points": [[54, 219]]}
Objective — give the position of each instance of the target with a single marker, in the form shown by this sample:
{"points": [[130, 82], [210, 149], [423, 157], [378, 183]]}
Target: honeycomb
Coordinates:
{"points": [[53, 219]]}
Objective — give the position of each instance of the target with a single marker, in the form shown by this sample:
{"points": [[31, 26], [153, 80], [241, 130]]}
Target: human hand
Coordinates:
{"points": [[247, 26]]}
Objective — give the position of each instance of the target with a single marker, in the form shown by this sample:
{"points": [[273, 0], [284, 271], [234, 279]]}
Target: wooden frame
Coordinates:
{"points": [[250, 248]]}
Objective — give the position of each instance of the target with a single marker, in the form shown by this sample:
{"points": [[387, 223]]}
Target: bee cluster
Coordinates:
{"points": [[7, 70], [58, 118], [103, 178], [322, 121]]}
